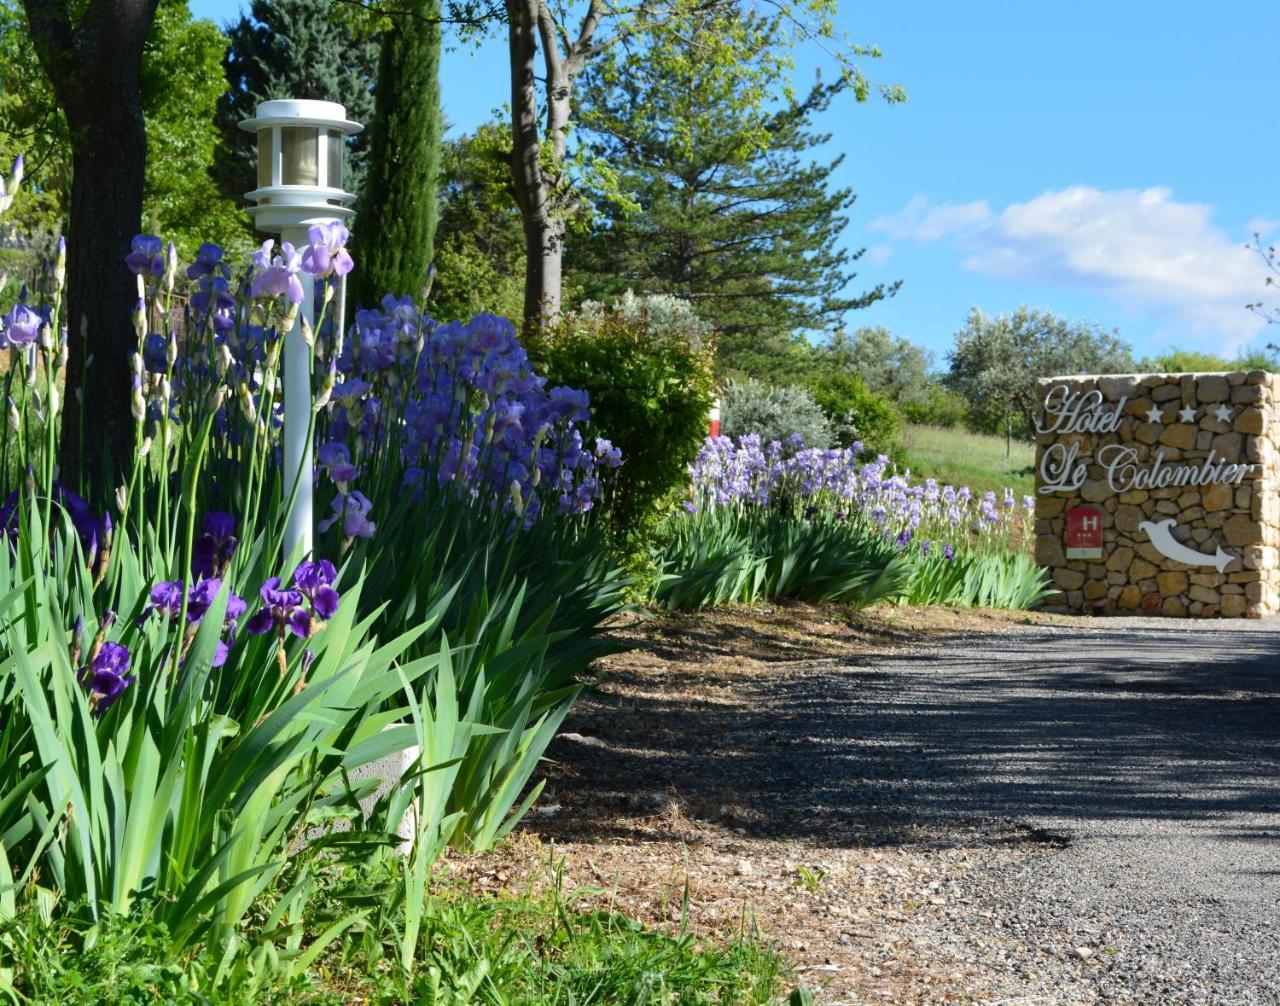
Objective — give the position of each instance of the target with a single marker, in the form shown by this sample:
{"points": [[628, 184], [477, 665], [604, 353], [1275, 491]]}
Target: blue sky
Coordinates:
{"points": [[1107, 161]]}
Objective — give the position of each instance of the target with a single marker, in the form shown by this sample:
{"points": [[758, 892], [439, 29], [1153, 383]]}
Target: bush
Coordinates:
{"points": [[647, 364], [936, 406], [752, 408], [858, 414]]}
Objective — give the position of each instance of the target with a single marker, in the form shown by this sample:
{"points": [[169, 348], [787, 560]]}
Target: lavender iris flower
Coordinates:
{"points": [[21, 327], [353, 510], [277, 276], [326, 255]]}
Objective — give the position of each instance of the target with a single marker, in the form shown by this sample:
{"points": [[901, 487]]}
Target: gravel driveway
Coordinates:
{"points": [[1151, 748], [1050, 814]]}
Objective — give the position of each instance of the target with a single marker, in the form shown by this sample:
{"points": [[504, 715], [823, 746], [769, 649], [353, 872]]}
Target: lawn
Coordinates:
{"points": [[973, 459]]}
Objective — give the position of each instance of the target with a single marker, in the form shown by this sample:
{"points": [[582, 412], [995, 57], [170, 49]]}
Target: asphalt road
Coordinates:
{"points": [[1149, 748]]}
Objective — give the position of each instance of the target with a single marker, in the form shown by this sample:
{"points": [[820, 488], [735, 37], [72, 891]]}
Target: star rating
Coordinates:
{"points": [[1154, 415], [1187, 414], [1222, 413]]}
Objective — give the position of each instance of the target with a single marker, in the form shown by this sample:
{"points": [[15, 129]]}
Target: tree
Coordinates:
{"points": [[395, 230], [996, 362], [731, 210], [480, 251], [723, 31], [180, 81], [92, 53], [292, 49], [1271, 259], [889, 365]]}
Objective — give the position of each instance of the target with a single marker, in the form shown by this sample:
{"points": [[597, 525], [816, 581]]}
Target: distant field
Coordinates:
{"points": [[972, 459]]}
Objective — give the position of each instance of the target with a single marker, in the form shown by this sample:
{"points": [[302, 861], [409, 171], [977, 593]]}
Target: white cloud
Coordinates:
{"points": [[1159, 258], [919, 221], [878, 254]]}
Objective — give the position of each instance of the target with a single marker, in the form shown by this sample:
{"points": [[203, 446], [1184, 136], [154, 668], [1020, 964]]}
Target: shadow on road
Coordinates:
{"points": [[803, 741]]}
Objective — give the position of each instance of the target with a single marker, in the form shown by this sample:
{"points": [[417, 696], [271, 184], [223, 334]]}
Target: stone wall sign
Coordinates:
{"points": [[1160, 493]]}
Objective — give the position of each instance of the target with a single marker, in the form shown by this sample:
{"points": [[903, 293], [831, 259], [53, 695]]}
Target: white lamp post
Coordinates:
{"points": [[300, 157]]}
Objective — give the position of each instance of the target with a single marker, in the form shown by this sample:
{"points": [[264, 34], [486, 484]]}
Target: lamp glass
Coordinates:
{"points": [[334, 143], [265, 158], [300, 150]]}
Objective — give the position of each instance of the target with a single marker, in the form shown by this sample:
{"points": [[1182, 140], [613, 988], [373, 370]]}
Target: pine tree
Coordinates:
{"points": [[732, 212], [291, 49], [396, 219]]}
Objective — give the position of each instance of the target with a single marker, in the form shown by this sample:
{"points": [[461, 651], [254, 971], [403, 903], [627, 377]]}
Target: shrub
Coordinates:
{"points": [[647, 364], [857, 413], [936, 406], [752, 408]]}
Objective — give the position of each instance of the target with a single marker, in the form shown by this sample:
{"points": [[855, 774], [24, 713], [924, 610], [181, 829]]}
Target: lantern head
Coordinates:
{"points": [[300, 157]]}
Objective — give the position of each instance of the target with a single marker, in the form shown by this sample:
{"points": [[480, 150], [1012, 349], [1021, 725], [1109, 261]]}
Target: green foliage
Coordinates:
{"points": [[1190, 361], [396, 225], [774, 413], [887, 364], [291, 49], [728, 555], [977, 580], [959, 457], [480, 248], [938, 406], [181, 82], [856, 412], [647, 365], [996, 362], [733, 214]]}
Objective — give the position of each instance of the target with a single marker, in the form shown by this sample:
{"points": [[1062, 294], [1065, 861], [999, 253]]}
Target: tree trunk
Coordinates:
{"points": [[94, 66], [542, 254], [543, 212]]}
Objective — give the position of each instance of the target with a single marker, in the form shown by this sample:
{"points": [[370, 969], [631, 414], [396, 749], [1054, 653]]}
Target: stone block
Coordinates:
{"points": [[1212, 388]]}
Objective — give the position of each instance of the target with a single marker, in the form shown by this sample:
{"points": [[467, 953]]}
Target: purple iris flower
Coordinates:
{"points": [[336, 460], [281, 610], [353, 510], [105, 676], [21, 326], [606, 452], [211, 552], [166, 598], [315, 581], [279, 275], [206, 263], [326, 255], [146, 255], [91, 529]]}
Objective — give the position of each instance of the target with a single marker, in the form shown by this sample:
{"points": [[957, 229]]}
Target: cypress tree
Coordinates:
{"points": [[396, 220], [291, 49]]}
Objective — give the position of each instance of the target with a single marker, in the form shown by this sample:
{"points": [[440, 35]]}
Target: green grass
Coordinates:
{"points": [[973, 459], [544, 947]]}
